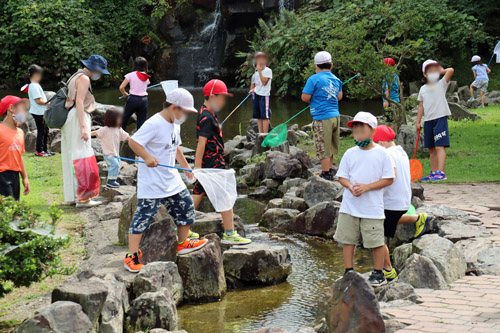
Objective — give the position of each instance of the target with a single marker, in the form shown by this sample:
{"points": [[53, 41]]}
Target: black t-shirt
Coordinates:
{"points": [[209, 127]]}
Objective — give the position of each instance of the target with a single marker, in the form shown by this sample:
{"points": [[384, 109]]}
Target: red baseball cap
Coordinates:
{"points": [[389, 62], [9, 100], [215, 87], [384, 133]]}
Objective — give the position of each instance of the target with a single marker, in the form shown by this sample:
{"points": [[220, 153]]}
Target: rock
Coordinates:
{"points": [[111, 211], [306, 330], [289, 183], [278, 218], [275, 203], [270, 183], [320, 190], [444, 254], [399, 256], [157, 275], [57, 317], [319, 220], [257, 264], [30, 141], [241, 159], [258, 148], [457, 230], [417, 190], [458, 112], [55, 142], [452, 88], [121, 194], [261, 192], [415, 87], [420, 272], [91, 295], [202, 273], [125, 218], [396, 290], [345, 131], [279, 165], [471, 248], [293, 202], [270, 330], [292, 137], [301, 134], [407, 138], [488, 261], [153, 310], [392, 325], [352, 306], [128, 174], [115, 305], [344, 119], [463, 93], [302, 156], [470, 104], [96, 145], [159, 242], [252, 173], [307, 128], [417, 202], [230, 145], [211, 223]]}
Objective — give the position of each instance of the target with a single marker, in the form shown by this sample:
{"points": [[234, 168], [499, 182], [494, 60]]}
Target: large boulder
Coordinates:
{"points": [[471, 249], [211, 223], [293, 202], [344, 119], [417, 190], [459, 112], [320, 190], [395, 291], [463, 93], [157, 275], [319, 220], [54, 142], [159, 242], [115, 305], [128, 174], [241, 157], [110, 211], [153, 310], [488, 261], [252, 173], [278, 218], [400, 254], [420, 272], [289, 183], [257, 264], [57, 317], [279, 165], [202, 272], [407, 138], [352, 306], [125, 218], [444, 254], [91, 295], [457, 230]]}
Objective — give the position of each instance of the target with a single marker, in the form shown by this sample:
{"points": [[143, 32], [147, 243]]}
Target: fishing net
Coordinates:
{"points": [[276, 137], [415, 170], [169, 85], [220, 186]]}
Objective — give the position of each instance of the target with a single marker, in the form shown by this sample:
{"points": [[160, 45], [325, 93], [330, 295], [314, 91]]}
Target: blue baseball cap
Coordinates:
{"points": [[96, 63]]}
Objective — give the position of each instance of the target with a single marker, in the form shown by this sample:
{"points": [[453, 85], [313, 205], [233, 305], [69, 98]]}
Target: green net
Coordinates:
{"points": [[276, 137]]}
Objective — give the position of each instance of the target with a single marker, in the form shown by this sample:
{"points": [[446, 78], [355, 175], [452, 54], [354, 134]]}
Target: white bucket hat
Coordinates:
{"points": [[182, 98], [475, 58], [322, 57], [365, 118]]}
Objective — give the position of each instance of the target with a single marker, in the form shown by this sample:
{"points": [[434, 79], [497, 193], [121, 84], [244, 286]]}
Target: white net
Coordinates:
{"points": [[169, 85], [220, 186]]}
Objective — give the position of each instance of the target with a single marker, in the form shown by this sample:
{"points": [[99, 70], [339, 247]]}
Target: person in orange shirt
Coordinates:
{"points": [[13, 110]]}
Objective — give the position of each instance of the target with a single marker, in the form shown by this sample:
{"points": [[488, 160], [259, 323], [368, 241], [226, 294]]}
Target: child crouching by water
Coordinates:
{"points": [[111, 135]]}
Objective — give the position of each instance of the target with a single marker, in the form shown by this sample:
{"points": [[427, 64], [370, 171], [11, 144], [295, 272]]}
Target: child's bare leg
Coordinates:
{"points": [[471, 91], [182, 233], [434, 159], [348, 253], [265, 125], [197, 199], [133, 243], [482, 97], [228, 219], [326, 164], [331, 162], [387, 259], [440, 157], [259, 123], [406, 219], [378, 257]]}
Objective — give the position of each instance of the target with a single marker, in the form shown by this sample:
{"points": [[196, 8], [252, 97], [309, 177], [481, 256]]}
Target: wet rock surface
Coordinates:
{"points": [[153, 310], [319, 190], [211, 223], [319, 220], [157, 275]]}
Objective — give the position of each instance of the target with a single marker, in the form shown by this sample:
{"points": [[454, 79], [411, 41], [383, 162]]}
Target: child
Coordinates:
{"points": [[481, 79], [210, 150], [261, 90], [137, 98], [158, 141], [397, 196], [390, 88], [435, 110], [13, 110], [364, 171], [324, 91], [38, 106], [111, 135]]}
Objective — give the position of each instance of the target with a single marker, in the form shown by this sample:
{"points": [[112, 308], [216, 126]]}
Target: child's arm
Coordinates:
{"points": [[306, 98], [252, 88], [179, 157], [362, 188], [24, 175], [488, 70], [40, 102], [474, 72], [93, 134], [122, 88], [139, 150], [200, 151], [340, 95], [448, 73], [346, 183], [387, 94], [263, 79], [420, 114]]}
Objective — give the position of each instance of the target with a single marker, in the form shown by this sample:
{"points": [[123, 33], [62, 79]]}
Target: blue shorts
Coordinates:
{"points": [[436, 133], [261, 107], [180, 206]]}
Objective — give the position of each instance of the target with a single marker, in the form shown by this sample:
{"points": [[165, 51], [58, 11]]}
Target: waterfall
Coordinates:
{"points": [[211, 29], [285, 5]]}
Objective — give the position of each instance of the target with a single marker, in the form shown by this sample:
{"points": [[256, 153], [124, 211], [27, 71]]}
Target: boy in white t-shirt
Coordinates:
{"points": [[261, 90], [397, 196], [364, 171], [158, 142]]}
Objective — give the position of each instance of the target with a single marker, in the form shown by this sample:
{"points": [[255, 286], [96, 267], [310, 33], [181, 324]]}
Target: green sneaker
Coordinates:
{"points": [[421, 224], [390, 275], [234, 239], [193, 235]]}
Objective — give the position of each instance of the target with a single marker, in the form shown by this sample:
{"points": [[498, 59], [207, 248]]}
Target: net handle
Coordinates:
{"points": [[416, 146]]}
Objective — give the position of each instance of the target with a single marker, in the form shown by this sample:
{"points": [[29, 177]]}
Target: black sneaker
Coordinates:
{"points": [[326, 175], [112, 184], [377, 279]]}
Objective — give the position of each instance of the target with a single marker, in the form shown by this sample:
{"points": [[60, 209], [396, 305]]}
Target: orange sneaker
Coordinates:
{"points": [[132, 262], [191, 245]]}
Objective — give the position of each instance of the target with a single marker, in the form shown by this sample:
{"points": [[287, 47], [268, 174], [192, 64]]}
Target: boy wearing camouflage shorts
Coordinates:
{"points": [[323, 91]]}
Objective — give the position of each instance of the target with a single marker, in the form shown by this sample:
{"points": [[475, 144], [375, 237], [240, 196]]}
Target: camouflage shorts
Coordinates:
{"points": [[180, 206], [326, 137]]}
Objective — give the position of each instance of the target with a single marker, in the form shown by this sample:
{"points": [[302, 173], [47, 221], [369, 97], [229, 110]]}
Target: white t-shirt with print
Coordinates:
{"points": [[35, 91], [397, 196], [160, 139], [434, 98], [365, 167], [260, 89]]}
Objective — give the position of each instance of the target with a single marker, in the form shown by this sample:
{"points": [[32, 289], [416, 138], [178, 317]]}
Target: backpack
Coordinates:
{"points": [[57, 113]]}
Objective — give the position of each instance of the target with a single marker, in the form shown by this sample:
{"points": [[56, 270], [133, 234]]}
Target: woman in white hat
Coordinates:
{"points": [[481, 78]]}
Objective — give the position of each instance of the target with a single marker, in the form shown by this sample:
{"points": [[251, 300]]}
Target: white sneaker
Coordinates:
{"points": [[88, 204]]}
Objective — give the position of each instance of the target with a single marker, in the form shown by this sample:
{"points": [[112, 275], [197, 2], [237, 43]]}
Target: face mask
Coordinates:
{"points": [[433, 77], [363, 143], [180, 121], [19, 118], [96, 76]]}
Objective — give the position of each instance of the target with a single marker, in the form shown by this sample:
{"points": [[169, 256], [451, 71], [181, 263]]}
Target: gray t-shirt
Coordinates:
{"points": [[434, 97]]}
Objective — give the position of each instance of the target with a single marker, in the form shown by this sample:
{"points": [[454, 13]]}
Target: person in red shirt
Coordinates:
{"points": [[13, 110]]}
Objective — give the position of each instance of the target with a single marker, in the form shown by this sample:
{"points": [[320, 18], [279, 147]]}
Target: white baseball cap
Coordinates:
{"points": [[475, 58], [428, 63], [182, 98], [365, 118], [322, 57]]}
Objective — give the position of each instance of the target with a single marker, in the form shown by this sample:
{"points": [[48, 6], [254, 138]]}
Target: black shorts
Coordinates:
{"points": [[436, 133], [261, 107], [9, 184], [391, 221]]}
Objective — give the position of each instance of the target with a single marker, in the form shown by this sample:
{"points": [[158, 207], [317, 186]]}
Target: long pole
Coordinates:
{"points": [[153, 86], [162, 165], [236, 108]]}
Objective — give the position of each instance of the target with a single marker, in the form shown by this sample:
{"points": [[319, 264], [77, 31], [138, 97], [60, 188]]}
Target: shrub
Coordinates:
{"points": [[28, 246]]}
